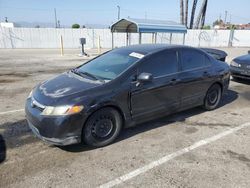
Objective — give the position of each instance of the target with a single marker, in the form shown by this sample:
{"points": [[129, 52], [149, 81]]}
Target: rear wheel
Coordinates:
{"points": [[103, 127], [213, 97]]}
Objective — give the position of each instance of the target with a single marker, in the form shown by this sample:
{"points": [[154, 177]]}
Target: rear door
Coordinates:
{"points": [[195, 76], [162, 94]]}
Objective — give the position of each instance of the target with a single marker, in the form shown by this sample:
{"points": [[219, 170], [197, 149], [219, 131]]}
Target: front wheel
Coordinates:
{"points": [[213, 97], [102, 128]]}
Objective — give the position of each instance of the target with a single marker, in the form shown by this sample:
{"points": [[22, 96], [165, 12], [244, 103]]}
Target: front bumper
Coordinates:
{"points": [[240, 73], [56, 130], [54, 141]]}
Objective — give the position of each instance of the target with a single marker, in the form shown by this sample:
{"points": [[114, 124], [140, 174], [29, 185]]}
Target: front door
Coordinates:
{"points": [[162, 94]]}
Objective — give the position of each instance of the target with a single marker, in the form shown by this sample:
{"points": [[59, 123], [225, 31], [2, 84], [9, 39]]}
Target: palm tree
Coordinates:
{"points": [[192, 14], [186, 13], [181, 12], [202, 15]]}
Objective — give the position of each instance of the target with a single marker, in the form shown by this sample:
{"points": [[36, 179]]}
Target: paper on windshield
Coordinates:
{"points": [[136, 55]]}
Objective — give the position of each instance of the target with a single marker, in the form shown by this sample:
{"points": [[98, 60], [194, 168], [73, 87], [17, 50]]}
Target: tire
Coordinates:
{"points": [[102, 128], [213, 97]]}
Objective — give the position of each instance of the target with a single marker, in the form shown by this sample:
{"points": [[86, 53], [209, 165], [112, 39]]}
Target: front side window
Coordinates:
{"points": [[192, 59], [160, 64], [110, 65]]}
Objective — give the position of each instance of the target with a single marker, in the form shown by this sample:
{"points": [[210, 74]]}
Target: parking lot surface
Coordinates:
{"points": [[194, 148]]}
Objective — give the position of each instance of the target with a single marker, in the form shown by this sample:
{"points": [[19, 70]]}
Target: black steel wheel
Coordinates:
{"points": [[213, 97], [102, 128]]}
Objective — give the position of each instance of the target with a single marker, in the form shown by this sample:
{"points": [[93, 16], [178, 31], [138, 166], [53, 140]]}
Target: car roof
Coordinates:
{"points": [[150, 48]]}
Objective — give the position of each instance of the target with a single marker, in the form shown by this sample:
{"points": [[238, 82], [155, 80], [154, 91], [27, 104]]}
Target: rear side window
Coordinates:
{"points": [[160, 64], [192, 59]]}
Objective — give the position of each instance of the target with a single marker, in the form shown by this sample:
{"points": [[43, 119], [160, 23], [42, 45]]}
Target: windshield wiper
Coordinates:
{"points": [[80, 73], [89, 75], [76, 71]]}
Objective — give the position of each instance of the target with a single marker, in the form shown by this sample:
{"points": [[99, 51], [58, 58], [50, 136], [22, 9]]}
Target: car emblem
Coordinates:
{"points": [[35, 103], [32, 104]]}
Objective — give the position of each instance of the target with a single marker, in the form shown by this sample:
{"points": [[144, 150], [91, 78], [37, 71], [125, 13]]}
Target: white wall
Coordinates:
{"points": [[241, 38], [50, 38], [208, 38]]}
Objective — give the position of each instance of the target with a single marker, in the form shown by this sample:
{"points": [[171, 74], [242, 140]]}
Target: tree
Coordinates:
{"points": [[192, 14], [201, 16], [206, 27], [186, 13], [233, 27], [75, 26], [218, 22], [182, 12]]}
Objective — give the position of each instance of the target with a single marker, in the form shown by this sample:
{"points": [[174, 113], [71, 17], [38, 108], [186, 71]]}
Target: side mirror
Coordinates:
{"points": [[248, 51], [145, 77]]}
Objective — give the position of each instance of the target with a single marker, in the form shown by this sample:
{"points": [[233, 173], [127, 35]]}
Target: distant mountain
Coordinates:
{"points": [[34, 24], [97, 26], [52, 25]]}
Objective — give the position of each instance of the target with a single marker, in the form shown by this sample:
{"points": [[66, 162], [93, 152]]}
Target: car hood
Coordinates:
{"points": [[245, 59], [62, 87]]}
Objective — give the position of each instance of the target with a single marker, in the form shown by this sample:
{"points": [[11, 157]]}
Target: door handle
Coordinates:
{"points": [[205, 73], [174, 81]]}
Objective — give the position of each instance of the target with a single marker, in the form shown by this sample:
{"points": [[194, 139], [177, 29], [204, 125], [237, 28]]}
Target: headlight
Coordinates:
{"points": [[61, 110], [234, 64], [30, 95]]}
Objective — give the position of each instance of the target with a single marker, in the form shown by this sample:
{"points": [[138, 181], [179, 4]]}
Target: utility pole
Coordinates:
{"points": [[119, 11], [225, 21], [55, 18]]}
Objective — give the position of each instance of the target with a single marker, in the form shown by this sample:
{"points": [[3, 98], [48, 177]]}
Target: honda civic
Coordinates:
{"points": [[121, 88]]}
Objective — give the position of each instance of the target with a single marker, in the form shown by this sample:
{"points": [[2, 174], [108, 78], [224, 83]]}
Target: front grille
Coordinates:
{"points": [[244, 66], [241, 75]]}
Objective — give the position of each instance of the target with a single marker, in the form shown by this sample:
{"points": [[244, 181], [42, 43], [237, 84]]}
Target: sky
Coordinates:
{"points": [[105, 11]]}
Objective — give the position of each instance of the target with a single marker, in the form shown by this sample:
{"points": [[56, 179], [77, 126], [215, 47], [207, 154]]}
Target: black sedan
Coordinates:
{"points": [[240, 67], [121, 88]]}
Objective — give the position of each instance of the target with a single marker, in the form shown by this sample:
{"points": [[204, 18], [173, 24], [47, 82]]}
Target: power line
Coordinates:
{"points": [[68, 10], [240, 17], [143, 12]]}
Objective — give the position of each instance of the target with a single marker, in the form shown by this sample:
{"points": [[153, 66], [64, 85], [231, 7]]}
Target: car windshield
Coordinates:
{"points": [[110, 65]]}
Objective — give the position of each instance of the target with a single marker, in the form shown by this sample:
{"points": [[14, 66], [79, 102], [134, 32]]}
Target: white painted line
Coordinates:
{"points": [[167, 158], [12, 111]]}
